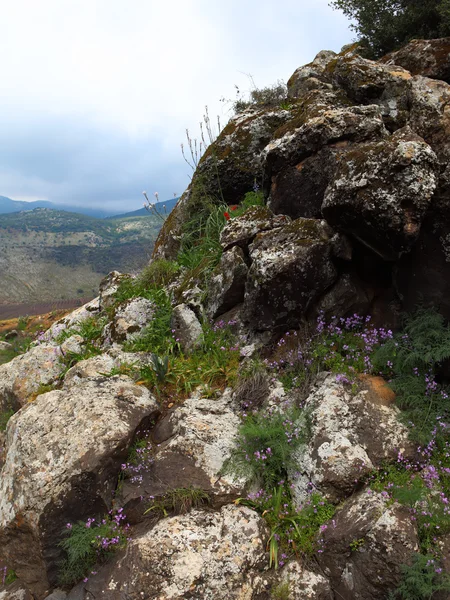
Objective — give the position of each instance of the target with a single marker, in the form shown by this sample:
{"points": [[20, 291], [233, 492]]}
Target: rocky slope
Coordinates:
{"points": [[218, 428]]}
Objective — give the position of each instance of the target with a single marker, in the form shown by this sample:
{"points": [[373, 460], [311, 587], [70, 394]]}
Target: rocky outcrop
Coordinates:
{"points": [[63, 457], [227, 285], [365, 546], [429, 58], [351, 434], [291, 266], [186, 328], [214, 556], [130, 319]]}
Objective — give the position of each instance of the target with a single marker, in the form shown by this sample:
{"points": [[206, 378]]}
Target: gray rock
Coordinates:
{"points": [[351, 434], [291, 267], [22, 376], [109, 286], [381, 191], [429, 58], [226, 287], [57, 595], [5, 346], [314, 73], [242, 230], [63, 456], [73, 345], [187, 328], [213, 556], [16, 591], [9, 335], [85, 312], [387, 539], [131, 318], [92, 367], [304, 584]]}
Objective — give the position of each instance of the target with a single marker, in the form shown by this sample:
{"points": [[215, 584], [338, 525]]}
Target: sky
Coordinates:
{"points": [[96, 95]]}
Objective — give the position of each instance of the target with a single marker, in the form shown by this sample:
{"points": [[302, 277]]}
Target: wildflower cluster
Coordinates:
{"points": [[139, 461], [293, 531], [91, 542]]}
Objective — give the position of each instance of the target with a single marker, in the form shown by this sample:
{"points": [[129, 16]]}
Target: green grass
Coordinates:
{"points": [[179, 501], [4, 418]]}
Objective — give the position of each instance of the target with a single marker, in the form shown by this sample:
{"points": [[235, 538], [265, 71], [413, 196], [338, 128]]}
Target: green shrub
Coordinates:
{"points": [[292, 532], [90, 542], [265, 446], [422, 579], [385, 25], [272, 96], [159, 273]]}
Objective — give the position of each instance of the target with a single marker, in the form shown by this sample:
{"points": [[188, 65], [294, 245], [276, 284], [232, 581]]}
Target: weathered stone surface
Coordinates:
{"points": [[381, 192], [386, 537], [131, 318], [348, 296], [16, 591], [291, 266], [85, 312], [429, 100], [109, 286], [227, 170], [92, 367], [298, 190], [213, 556], [22, 376], [369, 82], [241, 231], [57, 595], [323, 119], [188, 330], [193, 441], [5, 346], [350, 435], [429, 58], [305, 585], [227, 284], [73, 345], [312, 74], [63, 456]]}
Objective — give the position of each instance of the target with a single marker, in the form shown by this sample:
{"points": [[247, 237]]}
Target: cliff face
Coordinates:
{"points": [[218, 428]]}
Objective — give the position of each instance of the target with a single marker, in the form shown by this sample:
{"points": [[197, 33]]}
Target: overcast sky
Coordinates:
{"points": [[95, 95]]}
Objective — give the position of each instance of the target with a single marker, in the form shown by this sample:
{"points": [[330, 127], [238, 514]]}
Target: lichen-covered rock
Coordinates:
{"points": [[227, 171], [16, 591], [192, 443], [187, 328], [73, 345], [207, 555], [22, 377], [366, 545], [131, 318], [226, 287], [303, 584], [381, 191], [298, 190], [63, 456], [109, 286], [92, 367], [5, 346], [291, 266], [312, 75], [429, 100], [323, 118], [242, 230], [429, 58], [350, 435], [70, 321], [370, 82]]}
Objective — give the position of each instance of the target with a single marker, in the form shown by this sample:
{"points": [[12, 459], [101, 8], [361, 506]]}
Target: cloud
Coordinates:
{"points": [[97, 94]]}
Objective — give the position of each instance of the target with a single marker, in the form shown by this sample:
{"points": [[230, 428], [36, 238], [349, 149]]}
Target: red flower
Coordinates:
{"points": [[226, 215], [234, 207]]}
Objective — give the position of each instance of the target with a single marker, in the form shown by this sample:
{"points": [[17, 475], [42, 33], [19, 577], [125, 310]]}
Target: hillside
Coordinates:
{"points": [[50, 255]]}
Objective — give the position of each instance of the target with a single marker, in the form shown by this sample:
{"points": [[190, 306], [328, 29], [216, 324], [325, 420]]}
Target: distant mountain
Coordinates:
{"points": [[8, 206], [162, 208], [47, 254]]}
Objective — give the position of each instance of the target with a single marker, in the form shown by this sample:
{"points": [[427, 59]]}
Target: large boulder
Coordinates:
{"points": [[291, 267], [186, 328], [23, 376], [63, 456], [302, 584], [430, 58], [226, 287], [130, 318], [208, 555], [314, 75], [365, 546], [241, 231], [191, 444], [351, 434], [370, 82], [381, 191]]}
